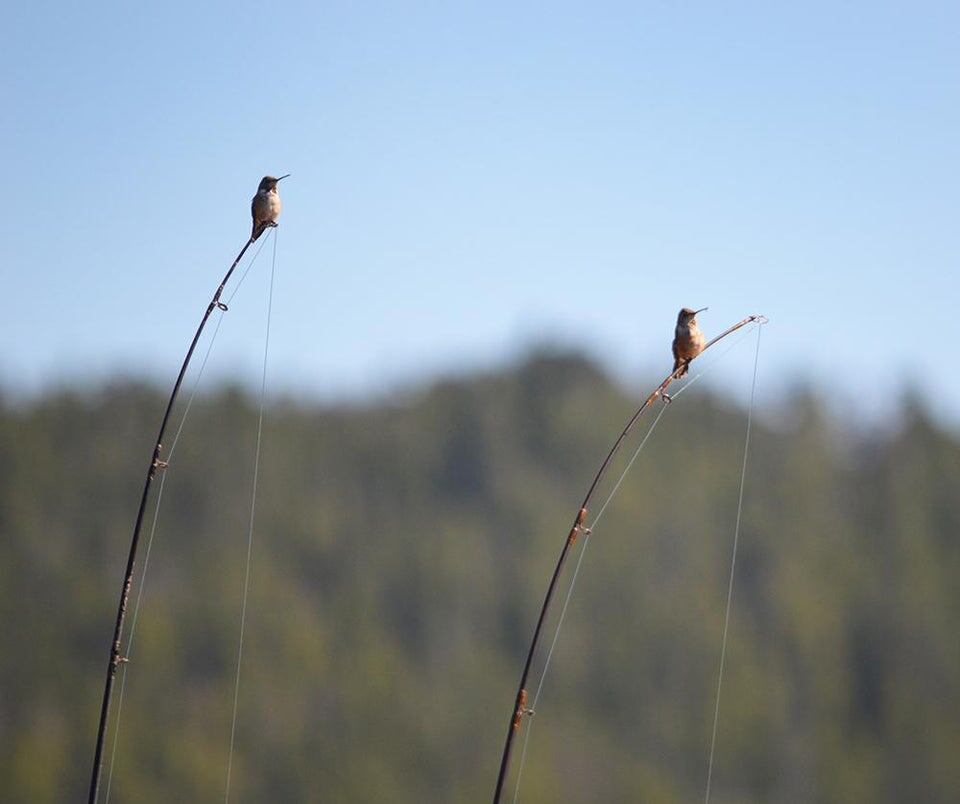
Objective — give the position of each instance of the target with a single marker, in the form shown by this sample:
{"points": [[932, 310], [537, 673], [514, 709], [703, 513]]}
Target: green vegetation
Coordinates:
{"points": [[402, 550]]}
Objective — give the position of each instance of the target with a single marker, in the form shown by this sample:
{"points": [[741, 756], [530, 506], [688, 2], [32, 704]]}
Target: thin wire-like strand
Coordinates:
{"points": [[566, 600], [253, 508], [563, 613], [153, 525], [586, 542], [129, 651], [636, 453], [583, 550], [733, 566]]}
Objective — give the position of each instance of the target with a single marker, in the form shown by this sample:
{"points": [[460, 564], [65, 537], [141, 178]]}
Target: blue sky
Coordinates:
{"points": [[472, 178]]}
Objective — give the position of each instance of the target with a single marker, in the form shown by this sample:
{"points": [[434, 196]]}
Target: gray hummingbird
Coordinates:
{"points": [[265, 207], [688, 340]]}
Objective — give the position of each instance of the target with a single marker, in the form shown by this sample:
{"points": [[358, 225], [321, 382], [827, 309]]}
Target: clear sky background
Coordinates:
{"points": [[469, 179]]}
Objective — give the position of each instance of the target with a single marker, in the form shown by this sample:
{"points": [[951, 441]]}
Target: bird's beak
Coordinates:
{"points": [[283, 176], [701, 310]]}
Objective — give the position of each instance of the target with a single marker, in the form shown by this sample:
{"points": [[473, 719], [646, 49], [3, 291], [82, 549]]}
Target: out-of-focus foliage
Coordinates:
{"points": [[401, 553]]}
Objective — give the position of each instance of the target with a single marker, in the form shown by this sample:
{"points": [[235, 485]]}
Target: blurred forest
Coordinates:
{"points": [[402, 550]]}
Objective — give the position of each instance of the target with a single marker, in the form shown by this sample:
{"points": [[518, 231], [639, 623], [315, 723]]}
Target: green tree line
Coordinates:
{"points": [[402, 549]]}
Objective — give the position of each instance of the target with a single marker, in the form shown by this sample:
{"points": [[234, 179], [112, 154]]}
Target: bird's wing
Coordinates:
{"points": [[255, 232], [676, 354]]}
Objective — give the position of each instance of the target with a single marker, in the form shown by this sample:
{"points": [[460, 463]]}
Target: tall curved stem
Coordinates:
{"points": [[520, 703], [156, 463]]}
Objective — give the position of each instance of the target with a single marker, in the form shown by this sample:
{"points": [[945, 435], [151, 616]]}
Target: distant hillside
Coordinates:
{"points": [[401, 553]]}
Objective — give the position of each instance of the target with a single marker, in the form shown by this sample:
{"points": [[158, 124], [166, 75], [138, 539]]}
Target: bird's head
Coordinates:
{"points": [[686, 315], [269, 183]]}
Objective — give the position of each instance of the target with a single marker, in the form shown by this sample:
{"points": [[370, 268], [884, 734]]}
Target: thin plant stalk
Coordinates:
{"points": [[156, 464], [520, 702]]}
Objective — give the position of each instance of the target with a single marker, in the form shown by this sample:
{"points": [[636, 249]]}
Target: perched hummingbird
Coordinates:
{"points": [[688, 340], [265, 207]]}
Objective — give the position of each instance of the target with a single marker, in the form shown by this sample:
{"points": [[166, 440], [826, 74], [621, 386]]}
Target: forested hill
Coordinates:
{"points": [[401, 553]]}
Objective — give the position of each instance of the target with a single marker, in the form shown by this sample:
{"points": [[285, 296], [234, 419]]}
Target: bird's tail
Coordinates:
{"points": [[256, 231], [682, 365]]}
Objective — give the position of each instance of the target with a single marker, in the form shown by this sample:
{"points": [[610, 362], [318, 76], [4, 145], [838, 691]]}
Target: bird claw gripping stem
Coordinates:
{"points": [[578, 526]]}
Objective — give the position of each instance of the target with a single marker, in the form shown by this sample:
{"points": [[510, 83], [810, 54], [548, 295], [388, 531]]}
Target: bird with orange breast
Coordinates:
{"points": [[265, 207], [688, 340]]}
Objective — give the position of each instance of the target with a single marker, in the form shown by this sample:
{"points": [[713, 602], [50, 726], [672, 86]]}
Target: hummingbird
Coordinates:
{"points": [[265, 207], [688, 340]]}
